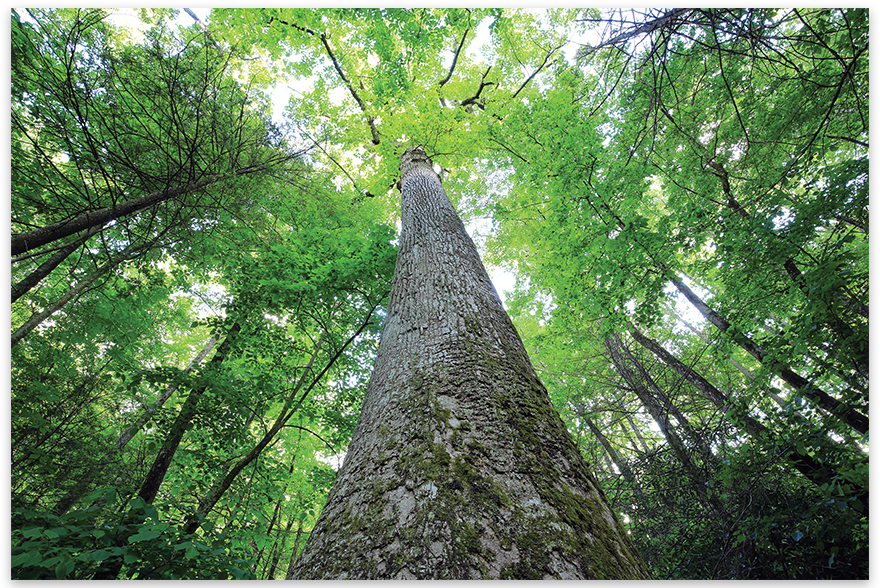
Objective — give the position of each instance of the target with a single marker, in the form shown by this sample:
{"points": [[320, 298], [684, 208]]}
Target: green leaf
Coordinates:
{"points": [[143, 535], [63, 569], [100, 555], [29, 558]]}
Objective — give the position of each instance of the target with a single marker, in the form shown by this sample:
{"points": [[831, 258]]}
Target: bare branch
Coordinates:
{"points": [[370, 120], [483, 83], [537, 71], [455, 58], [646, 28]]}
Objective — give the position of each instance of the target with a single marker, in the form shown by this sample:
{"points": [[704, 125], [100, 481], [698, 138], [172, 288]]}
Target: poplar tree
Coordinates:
{"points": [[459, 467]]}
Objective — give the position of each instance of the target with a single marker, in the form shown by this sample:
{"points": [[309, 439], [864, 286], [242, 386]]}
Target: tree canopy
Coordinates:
{"points": [[198, 286]]}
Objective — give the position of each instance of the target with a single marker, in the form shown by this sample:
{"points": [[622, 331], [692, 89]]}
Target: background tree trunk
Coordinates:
{"points": [[459, 467], [642, 387], [852, 417], [86, 481], [154, 478], [45, 268], [615, 457]]}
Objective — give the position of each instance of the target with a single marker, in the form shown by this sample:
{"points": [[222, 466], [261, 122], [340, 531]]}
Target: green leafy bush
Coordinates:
{"points": [[80, 543]]}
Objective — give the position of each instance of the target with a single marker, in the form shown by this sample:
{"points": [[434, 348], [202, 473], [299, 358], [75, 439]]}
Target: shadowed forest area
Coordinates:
{"points": [[205, 218]]}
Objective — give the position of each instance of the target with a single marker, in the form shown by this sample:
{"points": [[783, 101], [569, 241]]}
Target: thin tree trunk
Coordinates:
{"points": [[742, 369], [459, 467], [695, 379], [806, 464], [669, 407], [147, 414], [23, 242], [854, 418], [39, 317], [85, 483], [206, 504], [612, 453], [637, 433], [661, 417], [272, 555], [109, 570], [34, 278], [295, 552], [273, 566], [278, 544], [154, 478]]}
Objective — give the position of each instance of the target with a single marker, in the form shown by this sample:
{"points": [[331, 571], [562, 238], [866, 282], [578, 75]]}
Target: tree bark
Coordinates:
{"points": [[459, 467]]}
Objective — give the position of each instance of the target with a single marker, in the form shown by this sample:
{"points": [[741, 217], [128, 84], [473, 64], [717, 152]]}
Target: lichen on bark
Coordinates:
{"points": [[459, 467]]}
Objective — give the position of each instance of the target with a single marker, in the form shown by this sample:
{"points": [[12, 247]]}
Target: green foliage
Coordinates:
{"points": [[727, 147], [76, 545]]}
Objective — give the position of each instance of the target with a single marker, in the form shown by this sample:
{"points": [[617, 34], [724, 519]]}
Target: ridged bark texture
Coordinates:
{"points": [[459, 467]]}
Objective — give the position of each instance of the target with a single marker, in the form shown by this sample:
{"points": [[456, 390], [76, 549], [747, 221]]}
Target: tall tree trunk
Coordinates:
{"points": [[23, 242], [109, 569], [153, 479], [295, 552], [40, 316], [853, 418], [459, 467], [637, 433], [742, 369], [616, 458]]}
